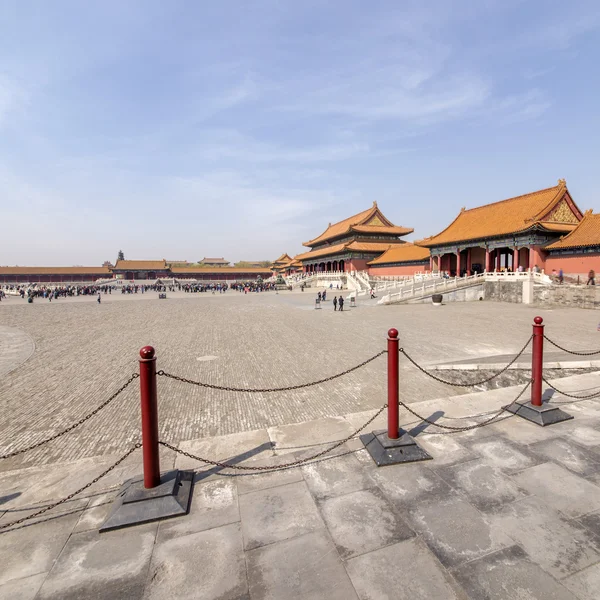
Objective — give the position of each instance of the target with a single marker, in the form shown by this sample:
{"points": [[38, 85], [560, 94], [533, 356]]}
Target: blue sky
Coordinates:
{"points": [[180, 130]]}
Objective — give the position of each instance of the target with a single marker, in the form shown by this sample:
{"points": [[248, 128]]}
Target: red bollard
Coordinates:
{"points": [[393, 385], [537, 362], [149, 417]]}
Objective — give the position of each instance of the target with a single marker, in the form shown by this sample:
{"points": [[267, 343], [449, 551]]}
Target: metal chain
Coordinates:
{"points": [[75, 425], [266, 390], [570, 351], [294, 463], [469, 384], [70, 496], [594, 395], [469, 427]]}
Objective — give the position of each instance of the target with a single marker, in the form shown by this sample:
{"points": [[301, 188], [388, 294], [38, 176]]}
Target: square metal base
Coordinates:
{"points": [[385, 451], [136, 505], [540, 415]]}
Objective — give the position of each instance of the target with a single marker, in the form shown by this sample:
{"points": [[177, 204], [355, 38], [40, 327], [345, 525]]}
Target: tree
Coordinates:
{"points": [[120, 256]]}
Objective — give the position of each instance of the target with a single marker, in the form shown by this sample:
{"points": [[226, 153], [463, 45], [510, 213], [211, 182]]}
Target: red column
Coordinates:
{"points": [[431, 263], [497, 261], [458, 263], [393, 384], [515, 267], [469, 261], [537, 361], [149, 417]]}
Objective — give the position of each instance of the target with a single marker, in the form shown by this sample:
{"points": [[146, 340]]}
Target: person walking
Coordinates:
{"points": [[561, 276], [341, 303], [591, 278], [99, 298], [334, 303]]}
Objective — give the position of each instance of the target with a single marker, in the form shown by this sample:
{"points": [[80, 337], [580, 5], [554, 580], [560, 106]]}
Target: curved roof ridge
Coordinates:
{"points": [[557, 187], [362, 215]]}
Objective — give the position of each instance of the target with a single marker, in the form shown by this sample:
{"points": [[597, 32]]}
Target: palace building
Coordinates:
{"points": [[352, 243], [508, 234], [129, 270], [400, 259]]}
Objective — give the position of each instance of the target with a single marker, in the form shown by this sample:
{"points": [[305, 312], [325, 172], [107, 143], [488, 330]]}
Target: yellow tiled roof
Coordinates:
{"points": [[283, 258], [369, 246], [136, 265], [322, 252], [587, 233], [402, 253], [501, 218], [54, 271], [363, 223], [374, 229], [234, 270]]}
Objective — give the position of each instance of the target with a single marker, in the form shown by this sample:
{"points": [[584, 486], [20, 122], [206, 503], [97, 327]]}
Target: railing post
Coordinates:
{"points": [[149, 417], [537, 361], [393, 384]]}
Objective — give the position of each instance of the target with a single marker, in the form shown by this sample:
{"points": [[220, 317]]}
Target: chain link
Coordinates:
{"points": [[267, 390], [468, 427], [70, 496], [469, 384], [594, 395], [295, 463], [75, 425], [570, 351]]}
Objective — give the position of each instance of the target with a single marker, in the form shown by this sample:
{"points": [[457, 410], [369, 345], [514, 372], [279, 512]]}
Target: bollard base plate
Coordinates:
{"points": [[540, 415], [136, 505], [385, 451]]}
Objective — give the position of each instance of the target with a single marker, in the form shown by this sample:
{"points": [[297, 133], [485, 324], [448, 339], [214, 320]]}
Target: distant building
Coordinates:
{"points": [[215, 262]]}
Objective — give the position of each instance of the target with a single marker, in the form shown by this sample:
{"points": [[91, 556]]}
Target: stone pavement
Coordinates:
{"points": [[16, 347], [510, 510], [85, 351]]}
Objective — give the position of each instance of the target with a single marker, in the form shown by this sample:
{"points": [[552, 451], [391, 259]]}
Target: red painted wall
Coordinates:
{"points": [[357, 264], [398, 270], [574, 265]]}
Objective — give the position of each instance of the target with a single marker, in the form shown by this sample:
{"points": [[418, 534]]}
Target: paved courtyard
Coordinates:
{"points": [[510, 510], [85, 351]]}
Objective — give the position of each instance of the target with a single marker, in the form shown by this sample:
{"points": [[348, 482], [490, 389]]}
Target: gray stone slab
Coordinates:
{"points": [[235, 448], [456, 531], [444, 449], [585, 435], [288, 438], [251, 482], [559, 546], [563, 451], [363, 521], [505, 455], [95, 513], [22, 589], [302, 568], [509, 574], [585, 584], [592, 522], [407, 485], [31, 549], [337, 476], [561, 489], [102, 566], [277, 514], [522, 431], [487, 487], [208, 565], [403, 571], [214, 504]]}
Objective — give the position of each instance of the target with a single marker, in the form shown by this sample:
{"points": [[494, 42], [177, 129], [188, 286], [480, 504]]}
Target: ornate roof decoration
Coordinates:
{"points": [[587, 233], [552, 206], [371, 218]]}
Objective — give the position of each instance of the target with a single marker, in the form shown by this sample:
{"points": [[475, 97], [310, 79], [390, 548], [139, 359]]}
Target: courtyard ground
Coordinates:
{"points": [[507, 507]]}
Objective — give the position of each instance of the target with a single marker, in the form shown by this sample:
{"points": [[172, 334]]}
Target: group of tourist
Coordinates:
{"points": [[337, 302]]}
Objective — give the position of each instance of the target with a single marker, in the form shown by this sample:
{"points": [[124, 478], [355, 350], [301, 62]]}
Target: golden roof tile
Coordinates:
{"points": [[234, 270], [140, 265], [587, 233], [372, 220], [54, 271], [402, 253], [509, 216]]}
